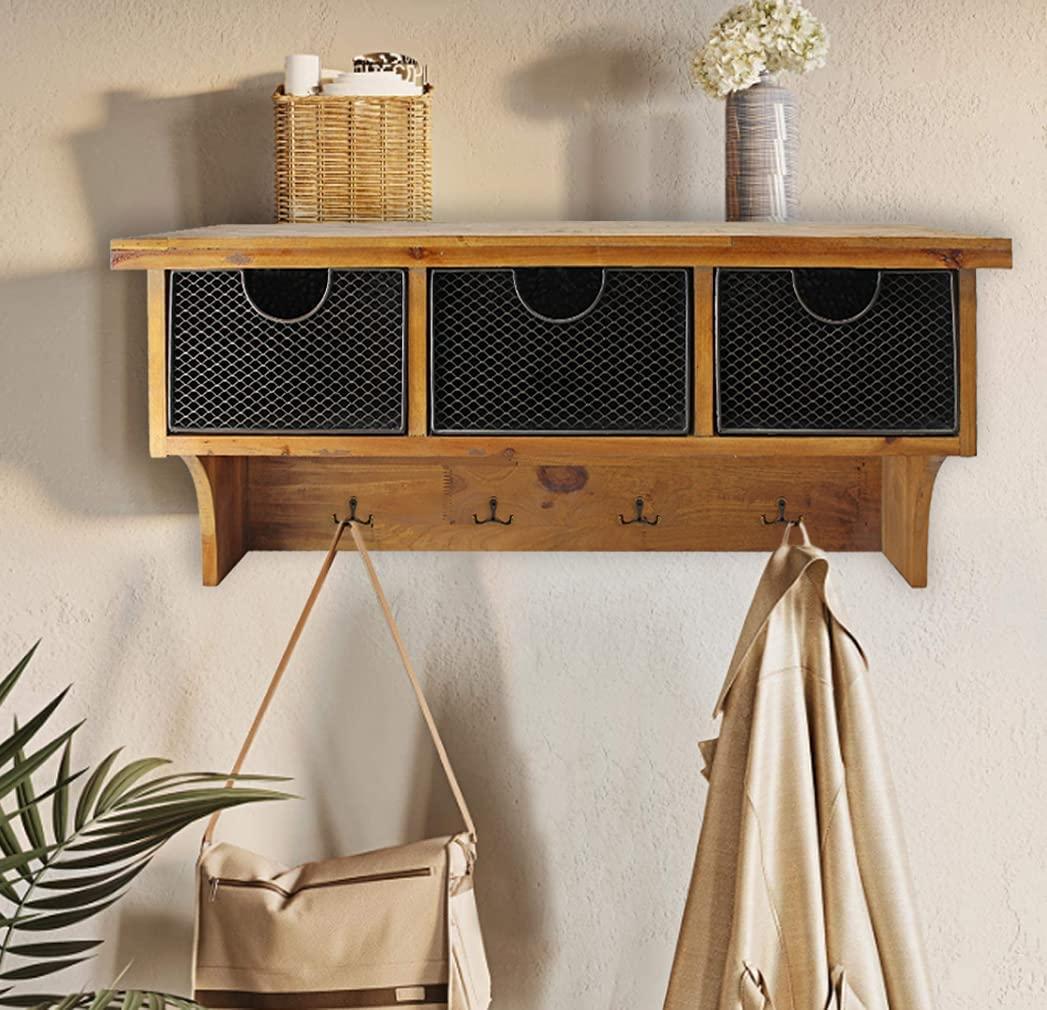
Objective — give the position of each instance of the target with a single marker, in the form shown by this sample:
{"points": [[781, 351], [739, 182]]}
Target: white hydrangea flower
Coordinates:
{"points": [[760, 36]]}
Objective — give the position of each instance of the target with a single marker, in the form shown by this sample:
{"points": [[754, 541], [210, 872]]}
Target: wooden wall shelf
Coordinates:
{"points": [[262, 491]]}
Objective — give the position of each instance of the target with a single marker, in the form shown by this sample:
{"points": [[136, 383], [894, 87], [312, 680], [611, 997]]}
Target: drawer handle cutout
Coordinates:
{"points": [[286, 296], [837, 296], [559, 294]]}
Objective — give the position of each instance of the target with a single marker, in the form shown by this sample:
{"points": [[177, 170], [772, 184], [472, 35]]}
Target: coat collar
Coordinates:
{"points": [[786, 566]]}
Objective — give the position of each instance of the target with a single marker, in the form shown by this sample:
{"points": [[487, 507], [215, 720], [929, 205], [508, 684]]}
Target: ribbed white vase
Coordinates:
{"points": [[761, 153]]}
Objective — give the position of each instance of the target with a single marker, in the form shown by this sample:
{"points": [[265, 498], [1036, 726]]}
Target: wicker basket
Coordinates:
{"points": [[358, 158]]}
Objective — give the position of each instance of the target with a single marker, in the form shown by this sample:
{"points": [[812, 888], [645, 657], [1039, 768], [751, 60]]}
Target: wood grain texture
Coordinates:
{"points": [[710, 505], [541, 231], [290, 502], [704, 356], [967, 323], [417, 352], [562, 243], [542, 448], [286, 503], [908, 483], [156, 300], [277, 492], [221, 498]]}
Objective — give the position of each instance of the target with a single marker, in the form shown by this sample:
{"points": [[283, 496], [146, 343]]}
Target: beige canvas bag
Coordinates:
{"points": [[387, 929]]}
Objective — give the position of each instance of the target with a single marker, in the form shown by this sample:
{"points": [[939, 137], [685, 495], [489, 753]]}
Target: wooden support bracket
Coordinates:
{"points": [[221, 498], [908, 482]]}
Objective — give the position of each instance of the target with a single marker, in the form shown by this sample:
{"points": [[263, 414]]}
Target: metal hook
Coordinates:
{"points": [[353, 517], [640, 518], [780, 520], [493, 503]]}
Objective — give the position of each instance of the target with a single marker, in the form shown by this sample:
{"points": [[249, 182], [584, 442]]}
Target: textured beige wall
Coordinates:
{"points": [[572, 689]]}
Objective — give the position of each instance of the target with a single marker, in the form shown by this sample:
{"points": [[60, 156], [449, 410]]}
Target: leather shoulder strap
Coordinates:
{"points": [[401, 648]]}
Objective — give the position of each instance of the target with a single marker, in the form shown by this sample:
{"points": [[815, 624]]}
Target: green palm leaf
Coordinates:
{"points": [[124, 779], [88, 895], [39, 969], [20, 858], [105, 999], [27, 803], [42, 923], [23, 769], [60, 804], [22, 736], [92, 789], [53, 948], [107, 857], [10, 846], [62, 867], [190, 778], [63, 882], [11, 679]]}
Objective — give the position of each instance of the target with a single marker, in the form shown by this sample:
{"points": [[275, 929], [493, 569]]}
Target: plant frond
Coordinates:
{"points": [[124, 779], [64, 866], [53, 948], [88, 895], [20, 737], [39, 969], [191, 778], [8, 683], [60, 803], [92, 788], [41, 923], [29, 811], [104, 999], [67, 882], [10, 779]]}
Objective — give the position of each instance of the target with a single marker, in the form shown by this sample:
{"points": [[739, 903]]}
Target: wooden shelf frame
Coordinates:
{"points": [[276, 492]]}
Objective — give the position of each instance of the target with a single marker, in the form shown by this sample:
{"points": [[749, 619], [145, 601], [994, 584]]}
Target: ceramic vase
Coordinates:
{"points": [[761, 153]]}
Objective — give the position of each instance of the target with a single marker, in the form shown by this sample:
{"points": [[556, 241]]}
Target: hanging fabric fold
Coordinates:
{"points": [[800, 871]]}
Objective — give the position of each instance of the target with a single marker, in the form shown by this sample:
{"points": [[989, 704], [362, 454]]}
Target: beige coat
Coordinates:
{"points": [[800, 898]]}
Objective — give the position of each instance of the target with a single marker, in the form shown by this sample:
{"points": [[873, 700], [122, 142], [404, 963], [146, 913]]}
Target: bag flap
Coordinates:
{"points": [[226, 861], [376, 920]]}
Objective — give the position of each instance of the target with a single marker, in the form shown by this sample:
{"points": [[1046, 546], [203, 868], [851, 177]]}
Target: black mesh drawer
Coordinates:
{"points": [[568, 350], [287, 351], [836, 352]]}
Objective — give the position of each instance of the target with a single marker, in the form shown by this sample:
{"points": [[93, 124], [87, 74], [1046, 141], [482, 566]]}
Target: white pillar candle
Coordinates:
{"points": [[301, 74]]}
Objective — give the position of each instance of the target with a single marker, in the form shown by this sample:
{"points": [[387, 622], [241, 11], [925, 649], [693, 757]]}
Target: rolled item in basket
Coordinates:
{"points": [[301, 74], [371, 83]]}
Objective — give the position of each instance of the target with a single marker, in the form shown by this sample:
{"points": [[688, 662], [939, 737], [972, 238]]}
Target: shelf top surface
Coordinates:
{"points": [[701, 242]]}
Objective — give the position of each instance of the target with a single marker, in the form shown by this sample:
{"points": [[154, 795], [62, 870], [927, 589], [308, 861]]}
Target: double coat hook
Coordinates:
{"points": [[640, 517], [353, 517], [493, 518], [780, 519]]}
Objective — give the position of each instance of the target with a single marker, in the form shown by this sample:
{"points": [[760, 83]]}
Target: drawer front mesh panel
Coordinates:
{"points": [[783, 368], [233, 368], [611, 356]]}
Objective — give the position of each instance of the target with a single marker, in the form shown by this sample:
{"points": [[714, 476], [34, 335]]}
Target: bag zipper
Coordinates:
{"points": [[269, 885]]}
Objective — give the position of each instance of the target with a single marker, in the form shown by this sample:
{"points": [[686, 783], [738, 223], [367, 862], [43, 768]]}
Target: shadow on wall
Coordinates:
{"points": [[632, 140], [76, 419], [469, 702], [465, 683], [161, 967], [367, 771]]}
